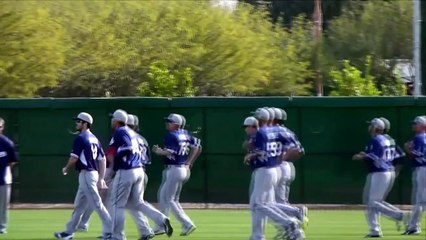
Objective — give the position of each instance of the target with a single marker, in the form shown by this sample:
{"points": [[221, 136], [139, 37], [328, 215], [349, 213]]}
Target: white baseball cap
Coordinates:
{"points": [[84, 116], [174, 118], [377, 123], [261, 114], [130, 119], [120, 116], [386, 122], [420, 120], [136, 122], [250, 122], [278, 114], [271, 113]]}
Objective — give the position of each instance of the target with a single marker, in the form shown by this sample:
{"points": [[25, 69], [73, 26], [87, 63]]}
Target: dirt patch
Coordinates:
{"points": [[207, 206]]}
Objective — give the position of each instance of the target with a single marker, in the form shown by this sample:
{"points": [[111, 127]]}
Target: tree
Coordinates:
{"points": [[382, 29], [31, 49], [350, 82]]}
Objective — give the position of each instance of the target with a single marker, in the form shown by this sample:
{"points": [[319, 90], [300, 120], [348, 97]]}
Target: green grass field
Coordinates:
{"points": [[212, 224]]}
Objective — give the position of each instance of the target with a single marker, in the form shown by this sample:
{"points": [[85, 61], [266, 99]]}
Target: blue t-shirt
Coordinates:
{"points": [[251, 149], [269, 144], [129, 154], [87, 149], [7, 156], [380, 153], [419, 150], [179, 143]]}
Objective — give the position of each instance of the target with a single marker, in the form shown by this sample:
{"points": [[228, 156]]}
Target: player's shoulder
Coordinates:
{"points": [[5, 140]]}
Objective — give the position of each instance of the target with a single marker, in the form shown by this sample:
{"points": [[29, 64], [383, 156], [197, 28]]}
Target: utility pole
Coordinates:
{"points": [[317, 18], [422, 45], [417, 25]]}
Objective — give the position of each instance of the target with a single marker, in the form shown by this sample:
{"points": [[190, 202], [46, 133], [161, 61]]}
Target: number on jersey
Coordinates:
{"points": [[274, 149], [183, 148]]}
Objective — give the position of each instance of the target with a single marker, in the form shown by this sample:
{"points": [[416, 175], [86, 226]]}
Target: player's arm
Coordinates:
{"points": [[165, 152], [371, 153], [76, 151], [295, 151], [196, 150], [102, 169], [416, 148], [11, 153], [258, 142]]}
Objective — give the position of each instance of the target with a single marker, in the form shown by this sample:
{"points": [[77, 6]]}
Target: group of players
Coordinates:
{"points": [[115, 180], [112, 182], [271, 148], [381, 155]]}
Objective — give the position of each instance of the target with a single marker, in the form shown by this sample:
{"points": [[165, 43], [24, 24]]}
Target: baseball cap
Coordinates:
{"points": [[261, 114], [386, 122], [130, 120], [377, 123], [84, 116], [136, 122], [278, 114], [183, 120], [120, 116], [250, 122], [174, 118], [284, 114], [420, 120], [271, 113]]}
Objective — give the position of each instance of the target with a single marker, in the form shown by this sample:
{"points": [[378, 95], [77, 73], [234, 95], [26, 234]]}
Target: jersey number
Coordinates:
{"points": [[274, 149], [389, 154], [94, 151], [183, 148]]}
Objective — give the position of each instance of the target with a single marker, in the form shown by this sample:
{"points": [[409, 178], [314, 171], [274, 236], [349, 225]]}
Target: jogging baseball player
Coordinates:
{"points": [[379, 154], [179, 155], [416, 150], [85, 152], [284, 170], [127, 186], [264, 160], [8, 158]]}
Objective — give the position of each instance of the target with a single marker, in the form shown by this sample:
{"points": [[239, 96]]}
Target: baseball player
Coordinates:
{"points": [[379, 154], [8, 158], [284, 169], [179, 152], [264, 160], [128, 184], [416, 150], [85, 152]]}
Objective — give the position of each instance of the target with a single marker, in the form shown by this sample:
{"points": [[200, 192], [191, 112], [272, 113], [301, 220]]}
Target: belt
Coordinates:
{"points": [[175, 165]]}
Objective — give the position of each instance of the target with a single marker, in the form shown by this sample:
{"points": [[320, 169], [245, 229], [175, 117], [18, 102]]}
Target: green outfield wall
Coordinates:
{"points": [[331, 130]]}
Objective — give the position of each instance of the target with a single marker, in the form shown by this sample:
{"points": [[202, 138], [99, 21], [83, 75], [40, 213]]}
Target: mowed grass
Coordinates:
{"points": [[211, 224]]}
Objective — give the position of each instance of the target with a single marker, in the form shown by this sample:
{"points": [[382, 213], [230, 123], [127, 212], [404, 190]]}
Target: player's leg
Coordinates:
{"points": [[136, 198], [420, 200], [141, 222], [121, 189], [280, 187], [290, 181], [163, 206], [4, 205], [372, 214], [183, 174], [90, 180]]}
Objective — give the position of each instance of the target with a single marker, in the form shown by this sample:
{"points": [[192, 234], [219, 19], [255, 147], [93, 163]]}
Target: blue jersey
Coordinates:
{"points": [[7, 156], [380, 153], [291, 138], [419, 150], [269, 145], [129, 154], [178, 143], [87, 149], [144, 148]]}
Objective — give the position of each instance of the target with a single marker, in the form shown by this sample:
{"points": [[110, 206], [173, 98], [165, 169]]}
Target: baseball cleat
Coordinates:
{"points": [[412, 232], [373, 235], [188, 230], [147, 237], [3, 231], [168, 227], [296, 234], [159, 232], [63, 235], [304, 217]]}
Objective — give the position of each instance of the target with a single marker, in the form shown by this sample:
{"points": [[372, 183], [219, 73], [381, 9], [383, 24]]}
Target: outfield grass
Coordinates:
{"points": [[212, 225]]}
